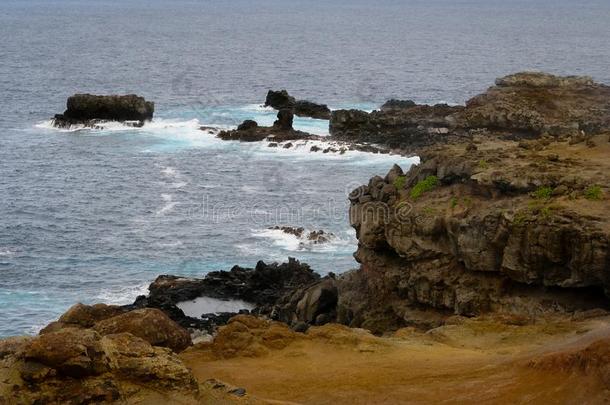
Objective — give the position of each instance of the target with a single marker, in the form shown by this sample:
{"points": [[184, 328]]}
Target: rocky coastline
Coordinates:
{"points": [[493, 251]]}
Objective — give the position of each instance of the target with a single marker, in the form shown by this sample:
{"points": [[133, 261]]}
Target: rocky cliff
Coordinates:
{"points": [[488, 226]]}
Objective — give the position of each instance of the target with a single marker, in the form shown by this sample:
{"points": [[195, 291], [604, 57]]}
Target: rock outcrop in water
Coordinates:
{"points": [[281, 130], [281, 100], [89, 110], [261, 286], [523, 105]]}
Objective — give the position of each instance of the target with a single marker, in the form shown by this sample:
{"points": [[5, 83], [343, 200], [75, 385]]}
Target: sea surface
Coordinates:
{"points": [[96, 215]]}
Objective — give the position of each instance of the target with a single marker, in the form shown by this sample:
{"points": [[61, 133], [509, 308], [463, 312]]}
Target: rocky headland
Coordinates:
{"points": [[484, 276], [90, 110]]}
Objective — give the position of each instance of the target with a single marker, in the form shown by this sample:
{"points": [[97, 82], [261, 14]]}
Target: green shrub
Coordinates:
{"points": [[483, 164], [423, 186], [399, 182], [543, 193], [454, 202], [594, 193]]}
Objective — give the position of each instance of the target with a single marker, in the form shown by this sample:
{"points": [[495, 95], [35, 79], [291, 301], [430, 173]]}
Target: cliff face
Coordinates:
{"points": [[504, 226]]}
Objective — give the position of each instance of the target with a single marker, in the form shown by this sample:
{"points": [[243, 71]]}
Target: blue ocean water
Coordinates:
{"points": [[95, 215]]}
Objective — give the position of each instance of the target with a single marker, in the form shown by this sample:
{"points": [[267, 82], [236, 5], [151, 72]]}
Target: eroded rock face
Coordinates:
{"points": [[150, 324], [89, 109], [79, 366], [500, 228]]}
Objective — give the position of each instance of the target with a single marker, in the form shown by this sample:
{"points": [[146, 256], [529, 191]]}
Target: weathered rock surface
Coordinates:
{"points": [[89, 110], [149, 324], [520, 106], [498, 228], [537, 103], [79, 366]]}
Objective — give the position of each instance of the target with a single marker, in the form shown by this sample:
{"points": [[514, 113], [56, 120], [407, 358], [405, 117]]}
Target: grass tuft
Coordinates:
{"points": [[423, 186]]}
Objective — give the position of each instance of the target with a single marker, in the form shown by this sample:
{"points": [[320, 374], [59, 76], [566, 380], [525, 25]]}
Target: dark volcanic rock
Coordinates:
{"points": [[250, 131], [304, 108], [394, 104], [284, 120], [520, 106], [279, 100], [247, 125], [89, 109], [404, 128], [262, 286]]}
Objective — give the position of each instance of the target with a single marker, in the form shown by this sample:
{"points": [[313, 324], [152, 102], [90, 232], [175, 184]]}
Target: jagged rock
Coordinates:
{"points": [[492, 225], [261, 286], [280, 131], [150, 324], [89, 109], [279, 100], [284, 120]]}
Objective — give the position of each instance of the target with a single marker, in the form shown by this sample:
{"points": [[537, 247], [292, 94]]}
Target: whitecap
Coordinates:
{"points": [[122, 295]]}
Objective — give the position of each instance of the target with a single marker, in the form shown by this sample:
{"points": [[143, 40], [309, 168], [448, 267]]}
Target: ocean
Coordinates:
{"points": [[96, 215]]}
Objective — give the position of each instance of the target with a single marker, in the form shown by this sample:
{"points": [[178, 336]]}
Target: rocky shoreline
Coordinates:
{"points": [[500, 234]]}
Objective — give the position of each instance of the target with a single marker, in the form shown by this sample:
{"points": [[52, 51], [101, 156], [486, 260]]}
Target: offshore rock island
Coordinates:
{"points": [[484, 276]]}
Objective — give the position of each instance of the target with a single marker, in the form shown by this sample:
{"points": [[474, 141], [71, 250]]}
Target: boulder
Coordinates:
{"points": [[88, 109], [150, 324], [78, 366], [72, 352]]}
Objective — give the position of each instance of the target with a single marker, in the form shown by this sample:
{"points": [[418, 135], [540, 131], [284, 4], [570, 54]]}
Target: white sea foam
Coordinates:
{"points": [[208, 305], [179, 134], [122, 295], [293, 243]]}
